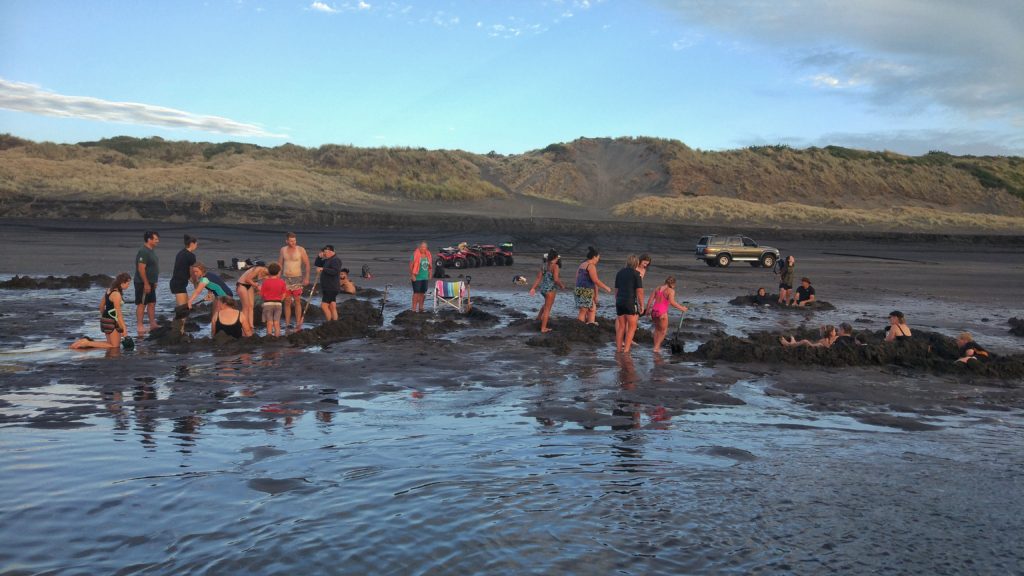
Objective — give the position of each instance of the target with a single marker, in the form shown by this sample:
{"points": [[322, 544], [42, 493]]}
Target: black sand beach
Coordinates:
{"points": [[473, 444]]}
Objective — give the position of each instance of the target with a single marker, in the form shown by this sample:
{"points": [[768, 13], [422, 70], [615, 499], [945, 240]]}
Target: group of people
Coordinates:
{"points": [[629, 296], [788, 296], [896, 331], [280, 285]]}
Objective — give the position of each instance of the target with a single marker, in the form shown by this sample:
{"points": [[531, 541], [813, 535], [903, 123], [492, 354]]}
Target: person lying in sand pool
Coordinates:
{"points": [[897, 328], [229, 319], [969, 349], [761, 298], [846, 338], [111, 318], [829, 337]]}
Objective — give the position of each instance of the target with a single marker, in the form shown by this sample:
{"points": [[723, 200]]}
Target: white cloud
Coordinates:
{"points": [[322, 7], [363, 5], [963, 56], [32, 99]]}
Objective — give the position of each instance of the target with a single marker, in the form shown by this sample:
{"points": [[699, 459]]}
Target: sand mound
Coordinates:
{"points": [[356, 319], [773, 302], [1017, 326], [565, 331], [423, 325], [83, 282], [926, 351]]}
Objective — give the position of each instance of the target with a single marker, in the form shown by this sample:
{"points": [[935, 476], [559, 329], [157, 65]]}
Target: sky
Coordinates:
{"points": [[511, 76]]}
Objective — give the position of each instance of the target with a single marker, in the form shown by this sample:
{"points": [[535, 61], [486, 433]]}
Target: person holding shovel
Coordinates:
{"points": [[330, 281], [659, 302]]}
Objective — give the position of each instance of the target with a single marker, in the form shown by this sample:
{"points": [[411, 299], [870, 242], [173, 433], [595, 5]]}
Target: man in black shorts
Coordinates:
{"points": [[629, 299], [330, 281], [147, 271]]}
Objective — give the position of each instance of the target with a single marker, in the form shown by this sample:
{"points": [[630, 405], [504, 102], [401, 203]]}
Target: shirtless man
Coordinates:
{"points": [[294, 263]]}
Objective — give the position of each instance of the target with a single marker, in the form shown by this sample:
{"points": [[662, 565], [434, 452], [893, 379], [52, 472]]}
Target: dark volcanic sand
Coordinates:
{"points": [[473, 444]]}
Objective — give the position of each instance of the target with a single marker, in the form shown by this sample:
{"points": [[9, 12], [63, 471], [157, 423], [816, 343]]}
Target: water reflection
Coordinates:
{"points": [[145, 418]]}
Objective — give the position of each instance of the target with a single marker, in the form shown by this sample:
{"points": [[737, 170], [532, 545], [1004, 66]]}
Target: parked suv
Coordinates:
{"points": [[722, 250]]}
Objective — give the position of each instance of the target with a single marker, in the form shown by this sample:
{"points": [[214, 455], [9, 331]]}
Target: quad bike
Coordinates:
{"points": [[450, 258], [496, 255]]}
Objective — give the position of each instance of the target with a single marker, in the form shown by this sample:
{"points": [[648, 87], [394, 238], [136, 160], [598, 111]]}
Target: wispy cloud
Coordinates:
{"points": [[32, 99], [322, 7], [325, 8]]}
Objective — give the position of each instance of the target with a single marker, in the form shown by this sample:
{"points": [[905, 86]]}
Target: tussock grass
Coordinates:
{"points": [[733, 211], [641, 177]]}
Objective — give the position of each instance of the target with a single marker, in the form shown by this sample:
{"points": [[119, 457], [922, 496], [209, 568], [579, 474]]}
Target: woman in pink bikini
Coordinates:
{"points": [[659, 302]]}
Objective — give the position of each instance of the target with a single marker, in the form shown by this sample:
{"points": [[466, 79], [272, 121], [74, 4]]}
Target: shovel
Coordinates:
{"points": [[311, 290], [383, 301], [676, 345]]}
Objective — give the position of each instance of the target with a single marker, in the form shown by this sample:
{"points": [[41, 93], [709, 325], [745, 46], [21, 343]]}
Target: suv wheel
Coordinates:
{"points": [[768, 261], [723, 260]]}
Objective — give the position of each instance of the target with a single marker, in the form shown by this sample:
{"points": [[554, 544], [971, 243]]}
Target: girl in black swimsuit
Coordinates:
{"points": [[229, 319], [898, 329]]}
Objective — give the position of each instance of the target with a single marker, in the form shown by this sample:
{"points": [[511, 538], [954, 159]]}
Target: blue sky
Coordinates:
{"points": [[513, 76]]}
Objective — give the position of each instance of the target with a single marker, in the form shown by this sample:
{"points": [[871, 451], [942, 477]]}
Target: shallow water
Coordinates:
{"points": [[439, 457]]}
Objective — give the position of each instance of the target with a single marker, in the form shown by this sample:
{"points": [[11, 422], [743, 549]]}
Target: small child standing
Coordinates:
{"points": [[273, 290]]}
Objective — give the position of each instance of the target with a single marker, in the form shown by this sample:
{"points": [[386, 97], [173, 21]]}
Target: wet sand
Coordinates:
{"points": [[442, 443]]}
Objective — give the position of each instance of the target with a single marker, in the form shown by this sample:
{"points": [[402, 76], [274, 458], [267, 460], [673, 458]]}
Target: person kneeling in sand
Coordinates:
{"points": [[829, 336], [111, 318], [969, 349], [229, 319]]}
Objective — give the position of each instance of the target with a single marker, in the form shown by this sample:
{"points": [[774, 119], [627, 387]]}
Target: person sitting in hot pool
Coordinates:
{"points": [[804, 293]]}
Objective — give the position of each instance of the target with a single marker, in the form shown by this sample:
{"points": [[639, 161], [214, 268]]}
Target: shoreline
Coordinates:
{"points": [[83, 215]]}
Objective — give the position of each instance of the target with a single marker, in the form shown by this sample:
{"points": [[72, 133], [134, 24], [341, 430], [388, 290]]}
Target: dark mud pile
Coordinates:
{"points": [[772, 301], [567, 331], [1016, 326], [356, 319], [926, 351], [419, 325], [83, 282]]}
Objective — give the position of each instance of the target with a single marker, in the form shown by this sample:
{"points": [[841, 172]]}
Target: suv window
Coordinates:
{"points": [[749, 242], [703, 241], [735, 241]]}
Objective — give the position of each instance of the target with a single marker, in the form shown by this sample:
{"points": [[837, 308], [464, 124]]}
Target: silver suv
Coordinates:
{"points": [[723, 250]]}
